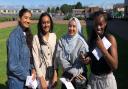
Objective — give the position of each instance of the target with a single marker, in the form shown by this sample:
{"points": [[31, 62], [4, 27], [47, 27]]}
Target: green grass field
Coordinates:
{"points": [[60, 29]]}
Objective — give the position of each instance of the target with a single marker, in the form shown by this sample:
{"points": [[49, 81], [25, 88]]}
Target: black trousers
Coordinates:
{"points": [[75, 86]]}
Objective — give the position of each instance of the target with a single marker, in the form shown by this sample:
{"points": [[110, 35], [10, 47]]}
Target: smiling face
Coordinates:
{"points": [[46, 24], [100, 24], [72, 29], [25, 20]]}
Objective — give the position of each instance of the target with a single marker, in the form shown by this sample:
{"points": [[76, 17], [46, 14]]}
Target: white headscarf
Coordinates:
{"points": [[71, 41], [78, 25]]}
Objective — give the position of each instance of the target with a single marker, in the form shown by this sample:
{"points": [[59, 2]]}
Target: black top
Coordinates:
{"points": [[98, 67]]}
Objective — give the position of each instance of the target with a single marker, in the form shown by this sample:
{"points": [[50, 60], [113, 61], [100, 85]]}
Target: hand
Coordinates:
{"points": [[99, 43], [43, 83], [82, 55], [33, 74], [54, 81], [80, 77], [84, 58], [87, 60], [72, 79]]}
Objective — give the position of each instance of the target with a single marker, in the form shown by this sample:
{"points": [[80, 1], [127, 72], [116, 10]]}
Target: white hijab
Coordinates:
{"points": [[78, 25], [72, 41]]}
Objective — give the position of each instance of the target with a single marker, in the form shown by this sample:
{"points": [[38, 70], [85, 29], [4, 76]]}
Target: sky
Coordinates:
{"points": [[46, 3]]}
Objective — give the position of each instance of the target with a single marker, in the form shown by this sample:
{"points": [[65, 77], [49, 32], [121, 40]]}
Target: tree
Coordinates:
{"points": [[66, 8], [52, 10], [57, 9], [23, 7], [48, 10], [78, 5]]}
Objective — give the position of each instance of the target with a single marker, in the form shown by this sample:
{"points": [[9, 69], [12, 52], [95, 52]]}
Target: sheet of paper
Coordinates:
{"points": [[97, 53], [31, 83], [68, 84]]}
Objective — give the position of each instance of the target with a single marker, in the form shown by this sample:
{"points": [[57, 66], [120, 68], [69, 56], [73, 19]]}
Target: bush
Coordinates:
{"points": [[7, 18], [35, 17], [80, 17], [67, 17]]}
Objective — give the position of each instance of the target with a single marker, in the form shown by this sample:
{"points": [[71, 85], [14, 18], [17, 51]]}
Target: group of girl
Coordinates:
{"points": [[41, 54]]}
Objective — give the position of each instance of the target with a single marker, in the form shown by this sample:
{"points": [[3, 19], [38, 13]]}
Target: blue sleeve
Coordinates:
{"points": [[14, 63]]}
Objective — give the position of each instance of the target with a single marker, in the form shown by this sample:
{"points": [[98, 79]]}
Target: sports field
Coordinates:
{"points": [[60, 29]]}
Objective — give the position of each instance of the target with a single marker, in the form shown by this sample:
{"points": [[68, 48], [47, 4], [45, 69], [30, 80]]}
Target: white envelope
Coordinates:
{"points": [[68, 84], [97, 53], [31, 83]]}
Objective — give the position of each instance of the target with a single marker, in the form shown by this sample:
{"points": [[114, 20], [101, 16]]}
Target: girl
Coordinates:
{"points": [[19, 46], [68, 50], [43, 51], [101, 70]]}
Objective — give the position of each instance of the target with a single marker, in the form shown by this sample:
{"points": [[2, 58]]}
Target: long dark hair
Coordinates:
{"points": [[22, 11], [106, 30], [40, 29], [29, 36]]}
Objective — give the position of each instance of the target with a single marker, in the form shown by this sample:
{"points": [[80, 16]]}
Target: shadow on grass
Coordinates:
{"points": [[121, 73], [3, 86]]}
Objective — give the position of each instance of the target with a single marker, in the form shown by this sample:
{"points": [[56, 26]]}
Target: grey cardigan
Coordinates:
{"points": [[70, 62]]}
